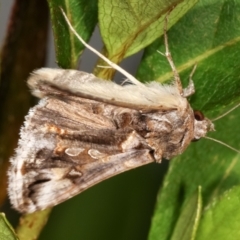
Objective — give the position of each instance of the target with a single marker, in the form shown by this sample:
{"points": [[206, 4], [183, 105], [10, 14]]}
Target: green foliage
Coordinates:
{"points": [[129, 26], [6, 230], [126, 26], [221, 218], [83, 16], [188, 220], [209, 36], [199, 197]]}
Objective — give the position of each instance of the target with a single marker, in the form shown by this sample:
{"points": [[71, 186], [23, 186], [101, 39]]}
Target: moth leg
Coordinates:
{"points": [[169, 57], [157, 151], [190, 89], [133, 141]]}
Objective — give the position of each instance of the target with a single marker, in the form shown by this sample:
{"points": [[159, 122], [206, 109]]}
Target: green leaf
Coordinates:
{"points": [[6, 230], [188, 221], [128, 26], [83, 16], [210, 165], [209, 34], [221, 219]]}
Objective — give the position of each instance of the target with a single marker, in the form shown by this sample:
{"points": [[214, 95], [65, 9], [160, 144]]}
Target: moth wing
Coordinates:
{"points": [[54, 185], [67, 146], [150, 96]]}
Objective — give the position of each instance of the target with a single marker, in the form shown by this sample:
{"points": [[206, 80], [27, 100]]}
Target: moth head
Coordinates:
{"points": [[202, 125]]}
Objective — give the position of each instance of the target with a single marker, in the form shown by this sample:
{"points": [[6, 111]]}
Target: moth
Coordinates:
{"points": [[85, 130]]}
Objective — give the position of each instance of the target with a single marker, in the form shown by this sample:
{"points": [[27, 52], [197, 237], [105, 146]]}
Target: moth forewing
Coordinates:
{"points": [[69, 143], [82, 84], [85, 130]]}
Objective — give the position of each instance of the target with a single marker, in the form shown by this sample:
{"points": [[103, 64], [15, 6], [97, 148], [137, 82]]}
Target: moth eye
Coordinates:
{"points": [[198, 115]]}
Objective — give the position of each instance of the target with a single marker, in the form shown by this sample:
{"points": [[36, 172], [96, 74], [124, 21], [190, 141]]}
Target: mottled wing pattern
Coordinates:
{"points": [[70, 141], [67, 145]]}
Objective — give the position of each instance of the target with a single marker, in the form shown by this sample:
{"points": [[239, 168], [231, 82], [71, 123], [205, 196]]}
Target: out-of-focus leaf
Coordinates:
{"points": [[23, 51], [83, 17], [6, 230], [188, 220]]}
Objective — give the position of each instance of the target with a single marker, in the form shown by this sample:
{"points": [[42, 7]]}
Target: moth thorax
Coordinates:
{"points": [[202, 125]]}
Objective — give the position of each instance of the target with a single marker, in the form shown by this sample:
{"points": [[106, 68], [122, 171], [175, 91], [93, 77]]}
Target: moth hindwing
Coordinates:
{"points": [[85, 130]]}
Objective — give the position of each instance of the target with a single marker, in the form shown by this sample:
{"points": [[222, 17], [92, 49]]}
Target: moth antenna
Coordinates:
{"points": [[192, 72], [190, 89], [112, 64], [222, 143], [226, 113], [169, 56]]}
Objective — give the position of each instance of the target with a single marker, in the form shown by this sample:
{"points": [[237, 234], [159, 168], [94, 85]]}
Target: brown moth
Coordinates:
{"points": [[85, 130]]}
